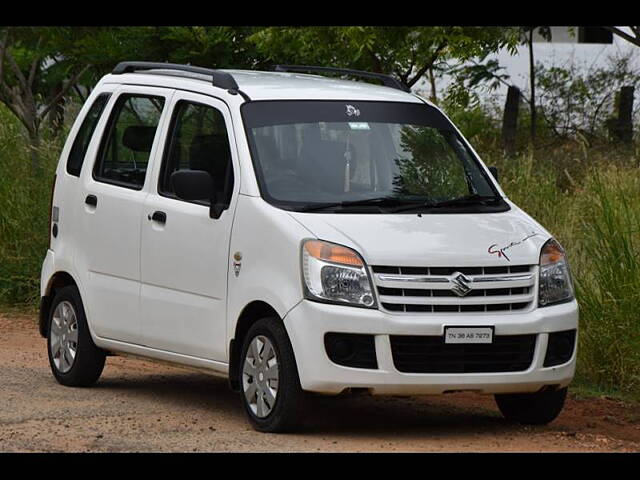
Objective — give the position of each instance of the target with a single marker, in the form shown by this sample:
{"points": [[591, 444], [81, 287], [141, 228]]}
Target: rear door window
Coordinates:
{"points": [[126, 146]]}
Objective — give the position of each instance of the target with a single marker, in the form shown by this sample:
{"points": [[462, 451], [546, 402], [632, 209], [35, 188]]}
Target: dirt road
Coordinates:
{"points": [[142, 406]]}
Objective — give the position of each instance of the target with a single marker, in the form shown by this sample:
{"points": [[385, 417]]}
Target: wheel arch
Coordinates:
{"points": [[57, 281], [250, 314]]}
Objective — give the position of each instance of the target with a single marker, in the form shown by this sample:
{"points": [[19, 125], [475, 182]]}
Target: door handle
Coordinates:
{"points": [[158, 216], [91, 200]]}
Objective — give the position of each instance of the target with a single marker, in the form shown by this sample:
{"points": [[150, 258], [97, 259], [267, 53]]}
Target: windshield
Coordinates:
{"points": [[385, 156]]}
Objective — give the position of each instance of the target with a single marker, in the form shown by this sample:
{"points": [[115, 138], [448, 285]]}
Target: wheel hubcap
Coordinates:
{"points": [[260, 376], [63, 336]]}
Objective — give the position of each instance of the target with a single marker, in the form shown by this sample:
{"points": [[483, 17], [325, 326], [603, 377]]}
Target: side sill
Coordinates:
{"points": [[163, 356]]}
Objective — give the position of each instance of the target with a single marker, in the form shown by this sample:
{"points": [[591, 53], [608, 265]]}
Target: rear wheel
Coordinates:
{"points": [[270, 386], [532, 408], [74, 359]]}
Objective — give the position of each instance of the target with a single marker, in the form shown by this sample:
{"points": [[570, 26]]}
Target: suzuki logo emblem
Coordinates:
{"points": [[460, 284]]}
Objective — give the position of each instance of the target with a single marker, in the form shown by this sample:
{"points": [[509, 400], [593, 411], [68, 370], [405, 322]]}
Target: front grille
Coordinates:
{"points": [[433, 289], [429, 354]]}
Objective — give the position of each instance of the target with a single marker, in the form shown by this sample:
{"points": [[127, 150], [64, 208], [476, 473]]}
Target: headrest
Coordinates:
{"points": [[212, 154], [139, 138]]}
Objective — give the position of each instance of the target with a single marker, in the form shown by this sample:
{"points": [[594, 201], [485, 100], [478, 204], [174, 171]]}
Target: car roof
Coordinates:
{"points": [[260, 85]]}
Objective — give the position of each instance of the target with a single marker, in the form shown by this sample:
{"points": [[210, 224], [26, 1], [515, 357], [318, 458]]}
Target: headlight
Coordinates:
{"points": [[337, 274], [555, 279]]}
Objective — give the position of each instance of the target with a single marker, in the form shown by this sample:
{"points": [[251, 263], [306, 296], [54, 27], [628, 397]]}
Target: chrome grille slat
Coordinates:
{"points": [[442, 283], [429, 289], [456, 300]]}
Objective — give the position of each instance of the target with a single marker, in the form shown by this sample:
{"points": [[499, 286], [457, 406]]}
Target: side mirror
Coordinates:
{"points": [[494, 172], [197, 185]]}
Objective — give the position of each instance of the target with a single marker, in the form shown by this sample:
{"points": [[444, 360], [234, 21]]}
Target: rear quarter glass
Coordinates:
{"points": [[83, 137]]}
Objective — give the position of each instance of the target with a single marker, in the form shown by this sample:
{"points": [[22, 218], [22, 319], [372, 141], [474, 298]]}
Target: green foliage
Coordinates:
{"points": [[578, 100], [404, 51], [473, 76], [214, 47], [609, 291], [432, 169], [25, 212], [594, 214], [30, 44], [480, 122]]}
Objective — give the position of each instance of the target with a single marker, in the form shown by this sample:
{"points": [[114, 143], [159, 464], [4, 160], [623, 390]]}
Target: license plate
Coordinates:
{"points": [[468, 335]]}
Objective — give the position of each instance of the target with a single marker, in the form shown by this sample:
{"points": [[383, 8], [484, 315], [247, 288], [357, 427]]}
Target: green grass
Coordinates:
{"points": [[588, 197], [584, 390], [24, 214], [595, 213]]}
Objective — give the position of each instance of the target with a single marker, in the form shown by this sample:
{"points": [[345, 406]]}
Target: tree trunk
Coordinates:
{"points": [[432, 81], [34, 147], [625, 114], [510, 120], [55, 116], [532, 83]]}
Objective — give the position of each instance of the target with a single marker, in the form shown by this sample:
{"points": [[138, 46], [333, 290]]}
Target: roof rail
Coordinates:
{"points": [[387, 80], [219, 78]]}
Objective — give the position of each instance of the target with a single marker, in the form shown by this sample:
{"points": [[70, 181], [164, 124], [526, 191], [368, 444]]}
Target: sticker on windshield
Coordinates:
{"points": [[352, 111], [358, 125]]}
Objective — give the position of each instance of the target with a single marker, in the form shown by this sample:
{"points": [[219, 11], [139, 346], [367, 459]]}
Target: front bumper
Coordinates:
{"points": [[308, 322]]}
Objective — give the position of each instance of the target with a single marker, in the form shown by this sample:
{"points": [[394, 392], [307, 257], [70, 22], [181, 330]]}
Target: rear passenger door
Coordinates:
{"points": [[111, 204], [184, 252]]}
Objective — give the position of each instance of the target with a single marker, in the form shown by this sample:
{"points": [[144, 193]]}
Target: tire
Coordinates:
{"points": [[537, 408], [283, 405], [83, 368]]}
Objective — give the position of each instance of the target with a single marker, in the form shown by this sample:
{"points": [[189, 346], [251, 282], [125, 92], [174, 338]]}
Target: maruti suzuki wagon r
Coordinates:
{"points": [[298, 233]]}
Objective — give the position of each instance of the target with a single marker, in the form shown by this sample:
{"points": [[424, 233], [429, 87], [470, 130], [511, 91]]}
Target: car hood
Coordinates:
{"points": [[487, 239]]}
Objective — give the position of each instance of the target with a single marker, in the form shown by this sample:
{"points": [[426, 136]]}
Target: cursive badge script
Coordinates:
{"points": [[495, 250]]}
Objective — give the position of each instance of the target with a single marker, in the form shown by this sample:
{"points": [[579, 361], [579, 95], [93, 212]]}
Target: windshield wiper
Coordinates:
{"points": [[401, 204], [468, 200], [473, 199], [376, 201]]}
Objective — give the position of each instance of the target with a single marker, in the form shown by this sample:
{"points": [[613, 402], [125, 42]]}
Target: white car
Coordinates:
{"points": [[298, 233]]}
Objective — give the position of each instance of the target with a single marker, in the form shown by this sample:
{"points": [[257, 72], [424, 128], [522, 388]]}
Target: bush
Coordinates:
{"points": [[25, 212], [578, 100], [594, 214], [609, 284]]}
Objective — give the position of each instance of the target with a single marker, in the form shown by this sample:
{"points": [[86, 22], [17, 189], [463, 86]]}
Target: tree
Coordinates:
{"points": [[214, 47], [633, 37], [406, 52], [31, 79], [527, 38], [39, 67]]}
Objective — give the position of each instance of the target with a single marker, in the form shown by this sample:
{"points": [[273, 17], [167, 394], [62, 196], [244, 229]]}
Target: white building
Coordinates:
{"points": [[581, 47]]}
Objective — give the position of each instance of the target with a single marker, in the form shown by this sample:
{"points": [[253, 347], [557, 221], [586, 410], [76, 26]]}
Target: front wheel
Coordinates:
{"points": [[271, 392], [537, 408]]}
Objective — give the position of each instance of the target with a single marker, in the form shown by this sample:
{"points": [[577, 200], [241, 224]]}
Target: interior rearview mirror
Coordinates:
{"points": [[494, 172]]}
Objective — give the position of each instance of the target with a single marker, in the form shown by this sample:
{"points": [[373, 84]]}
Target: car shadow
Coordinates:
{"points": [[210, 398]]}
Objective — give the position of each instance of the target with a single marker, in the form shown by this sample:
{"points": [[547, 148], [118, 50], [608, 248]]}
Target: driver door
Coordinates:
{"points": [[184, 252]]}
